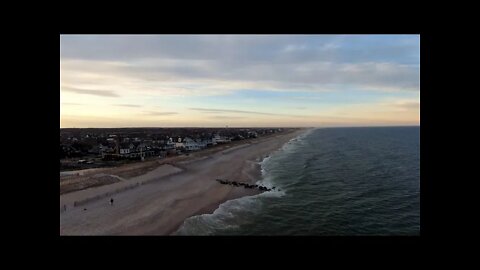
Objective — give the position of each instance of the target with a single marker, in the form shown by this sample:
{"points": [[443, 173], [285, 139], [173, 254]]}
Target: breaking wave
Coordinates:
{"points": [[231, 214]]}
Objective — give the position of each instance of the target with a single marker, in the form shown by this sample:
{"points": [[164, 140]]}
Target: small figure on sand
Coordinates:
{"points": [[64, 207], [111, 201]]}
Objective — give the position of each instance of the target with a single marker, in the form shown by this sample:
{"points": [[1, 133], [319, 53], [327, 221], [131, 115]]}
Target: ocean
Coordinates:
{"points": [[333, 182]]}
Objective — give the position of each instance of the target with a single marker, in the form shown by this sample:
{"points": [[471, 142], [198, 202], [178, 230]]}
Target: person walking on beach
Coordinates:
{"points": [[64, 207], [111, 201]]}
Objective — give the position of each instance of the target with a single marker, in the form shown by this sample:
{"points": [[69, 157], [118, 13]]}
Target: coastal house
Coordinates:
{"points": [[169, 146], [220, 139], [106, 149], [141, 147], [148, 151], [191, 145], [108, 153], [179, 144], [132, 151], [125, 149], [202, 143], [207, 141]]}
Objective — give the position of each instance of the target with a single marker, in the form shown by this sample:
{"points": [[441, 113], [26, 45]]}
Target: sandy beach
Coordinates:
{"points": [[157, 201]]}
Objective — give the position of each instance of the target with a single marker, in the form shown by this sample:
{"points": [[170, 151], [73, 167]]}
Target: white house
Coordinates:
{"points": [[220, 139], [190, 145], [179, 144], [124, 151]]}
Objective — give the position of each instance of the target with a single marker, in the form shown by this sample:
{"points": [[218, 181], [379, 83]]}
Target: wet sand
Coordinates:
{"points": [[171, 194]]}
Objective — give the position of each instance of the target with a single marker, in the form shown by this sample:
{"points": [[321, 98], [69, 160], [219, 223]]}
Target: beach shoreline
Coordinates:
{"points": [[160, 206]]}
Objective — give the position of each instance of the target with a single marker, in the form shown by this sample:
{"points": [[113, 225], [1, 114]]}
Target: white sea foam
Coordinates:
{"points": [[233, 213], [227, 216]]}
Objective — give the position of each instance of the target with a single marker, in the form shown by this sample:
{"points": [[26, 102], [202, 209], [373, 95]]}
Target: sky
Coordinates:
{"points": [[239, 80]]}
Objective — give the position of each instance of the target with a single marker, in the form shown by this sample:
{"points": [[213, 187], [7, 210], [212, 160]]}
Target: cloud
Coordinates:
{"points": [[203, 78], [153, 113], [243, 48], [220, 64], [128, 105], [409, 104], [321, 72], [405, 105], [230, 111], [71, 103], [101, 93], [229, 117]]}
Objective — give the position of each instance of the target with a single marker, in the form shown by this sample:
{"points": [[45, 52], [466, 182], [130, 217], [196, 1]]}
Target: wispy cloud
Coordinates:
{"points": [[230, 111], [229, 117], [71, 103], [408, 104], [128, 105], [153, 113], [101, 93], [287, 75], [378, 63]]}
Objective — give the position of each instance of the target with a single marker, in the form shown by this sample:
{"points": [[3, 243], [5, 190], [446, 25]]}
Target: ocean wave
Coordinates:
{"points": [[229, 215], [270, 161], [233, 213]]}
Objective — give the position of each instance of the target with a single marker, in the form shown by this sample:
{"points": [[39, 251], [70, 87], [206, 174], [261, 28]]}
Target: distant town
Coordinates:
{"points": [[82, 148]]}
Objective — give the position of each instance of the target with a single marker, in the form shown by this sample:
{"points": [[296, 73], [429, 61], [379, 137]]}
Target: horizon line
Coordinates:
{"points": [[243, 127]]}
